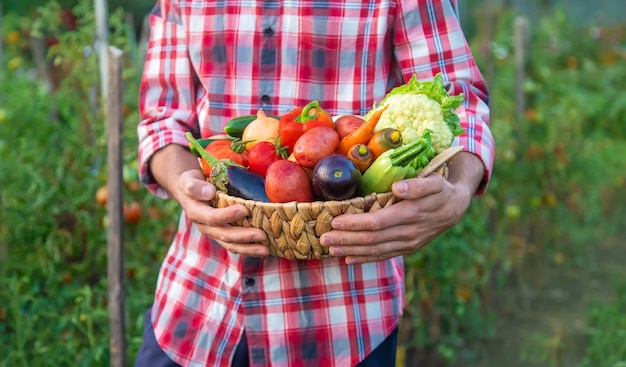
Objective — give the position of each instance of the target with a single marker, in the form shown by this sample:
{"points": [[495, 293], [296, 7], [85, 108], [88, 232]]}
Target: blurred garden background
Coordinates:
{"points": [[535, 274]]}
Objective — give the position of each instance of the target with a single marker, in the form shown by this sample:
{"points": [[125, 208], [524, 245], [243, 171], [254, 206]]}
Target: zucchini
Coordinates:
{"points": [[236, 125]]}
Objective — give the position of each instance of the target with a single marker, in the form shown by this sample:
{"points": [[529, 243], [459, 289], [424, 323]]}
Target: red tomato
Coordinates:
{"points": [[225, 149], [314, 145], [262, 155], [132, 212]]}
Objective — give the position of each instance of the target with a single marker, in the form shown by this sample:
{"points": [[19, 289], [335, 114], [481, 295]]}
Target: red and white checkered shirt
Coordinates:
{"points": [[209, 61]]}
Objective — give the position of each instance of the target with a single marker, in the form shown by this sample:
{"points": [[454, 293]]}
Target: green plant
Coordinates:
{"points": [[607, 332], [53, 286], [545, 350]]}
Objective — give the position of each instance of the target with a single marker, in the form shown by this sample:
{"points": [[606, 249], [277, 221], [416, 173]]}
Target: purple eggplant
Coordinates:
{"points": [[245, 184]]}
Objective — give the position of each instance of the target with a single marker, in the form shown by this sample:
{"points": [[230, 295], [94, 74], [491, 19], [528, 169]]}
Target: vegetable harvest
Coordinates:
{"points": [[304, 155]]}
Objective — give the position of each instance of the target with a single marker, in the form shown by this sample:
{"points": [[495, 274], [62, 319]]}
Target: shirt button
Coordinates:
{"points": [[249, 282], [265, 98], [268, 32]]}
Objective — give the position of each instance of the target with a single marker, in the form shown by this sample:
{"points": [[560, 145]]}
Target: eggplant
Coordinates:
{"points": [[246, 184], [335, 177]]}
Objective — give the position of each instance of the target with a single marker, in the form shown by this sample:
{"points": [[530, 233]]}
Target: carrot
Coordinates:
{"points": [[362, 134], [361, 155], [383, 140]]}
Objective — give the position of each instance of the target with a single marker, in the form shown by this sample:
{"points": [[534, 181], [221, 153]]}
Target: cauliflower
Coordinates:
{"points": [[417, 106]]}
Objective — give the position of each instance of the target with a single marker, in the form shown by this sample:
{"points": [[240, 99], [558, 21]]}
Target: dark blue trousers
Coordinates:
{"points": [[151, 355]]}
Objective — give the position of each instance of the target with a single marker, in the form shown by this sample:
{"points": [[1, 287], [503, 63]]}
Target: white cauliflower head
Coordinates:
{"points": [[415, 107]]}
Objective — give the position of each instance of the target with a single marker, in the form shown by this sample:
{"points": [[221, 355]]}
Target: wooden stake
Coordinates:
{"points": [[102, 42], [521, 43], [115, 209]]}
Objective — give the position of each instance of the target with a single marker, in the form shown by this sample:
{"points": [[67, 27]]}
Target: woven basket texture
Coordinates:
{"points": [[294, 229]]}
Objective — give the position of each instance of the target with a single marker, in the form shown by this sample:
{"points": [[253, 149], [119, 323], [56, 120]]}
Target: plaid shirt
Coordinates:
{"points": [[209, 61]]}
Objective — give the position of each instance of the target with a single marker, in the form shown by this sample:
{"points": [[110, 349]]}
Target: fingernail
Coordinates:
{"points": [[261, 252], [326, 241], [336, 224], [401, 187], [336, 251], [206, 192], [258, 237]]}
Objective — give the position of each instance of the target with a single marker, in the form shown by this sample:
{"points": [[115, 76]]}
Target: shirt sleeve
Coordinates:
{"points": [[167, 91], [429, 40]]}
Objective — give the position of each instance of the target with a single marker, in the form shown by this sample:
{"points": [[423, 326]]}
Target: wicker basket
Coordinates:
{"points": [[293, 229]]}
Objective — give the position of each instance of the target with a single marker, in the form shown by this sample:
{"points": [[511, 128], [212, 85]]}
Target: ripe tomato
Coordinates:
{"points": [[132, 212], [102, 195], [263, 154], [225, 149]]}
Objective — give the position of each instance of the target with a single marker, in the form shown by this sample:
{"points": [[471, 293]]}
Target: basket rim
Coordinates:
{"points": [[355, 200]]}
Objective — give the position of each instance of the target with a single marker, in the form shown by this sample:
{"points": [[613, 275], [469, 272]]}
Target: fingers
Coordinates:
{"points": [[428, 209], [236, 239], [195, 187], [415, 188], [383, 251]]}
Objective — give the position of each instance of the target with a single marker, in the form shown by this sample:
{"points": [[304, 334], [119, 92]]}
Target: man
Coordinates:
{"points": [[220, 299]]}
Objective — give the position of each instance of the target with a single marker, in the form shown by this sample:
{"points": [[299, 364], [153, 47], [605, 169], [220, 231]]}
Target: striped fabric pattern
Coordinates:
{"points": [[209, 61]]}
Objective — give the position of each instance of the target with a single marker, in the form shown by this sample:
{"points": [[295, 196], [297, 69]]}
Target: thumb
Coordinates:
{"points": [[196, 186], [415, 188]]}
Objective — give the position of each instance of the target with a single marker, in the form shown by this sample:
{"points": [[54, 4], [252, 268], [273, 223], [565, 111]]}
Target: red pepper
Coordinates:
{"points": [[313, 116], [289, 129], [302, 119]]}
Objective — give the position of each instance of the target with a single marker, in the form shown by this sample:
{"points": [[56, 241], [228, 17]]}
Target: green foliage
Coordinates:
{"points": [[53, 258], [558, 182], [607, 332]]}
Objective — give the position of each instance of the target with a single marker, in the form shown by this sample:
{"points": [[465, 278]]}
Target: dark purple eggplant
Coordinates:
{"points": [[335, 177], [245, 184]]}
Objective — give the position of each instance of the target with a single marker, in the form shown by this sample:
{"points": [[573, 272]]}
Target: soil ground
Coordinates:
{"points": [[544, 310]]}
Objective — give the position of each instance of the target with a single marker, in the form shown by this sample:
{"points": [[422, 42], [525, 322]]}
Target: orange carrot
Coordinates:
{"points": [[361, 156], [383, 140], [362, 134]]}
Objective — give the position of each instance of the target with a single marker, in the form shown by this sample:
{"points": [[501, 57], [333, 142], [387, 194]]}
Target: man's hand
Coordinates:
{"points": [[177, 170], [430, 206]]}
